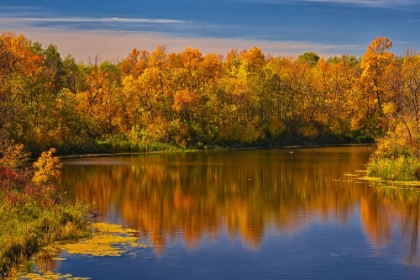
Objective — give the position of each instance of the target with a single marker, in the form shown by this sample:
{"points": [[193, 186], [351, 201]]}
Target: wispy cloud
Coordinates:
{"points": [[114, 24], [84, 37], [390, 4], [90, 20], [26, 21], [404, 42], [369, 3], [27, 16]]}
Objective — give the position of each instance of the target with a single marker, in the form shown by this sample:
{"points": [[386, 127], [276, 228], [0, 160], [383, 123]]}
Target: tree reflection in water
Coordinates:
{"points": [[192, 195]]}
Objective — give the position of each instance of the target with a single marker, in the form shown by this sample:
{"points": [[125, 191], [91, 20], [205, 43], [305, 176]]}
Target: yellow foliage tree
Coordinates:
{"points": [[46, 167], [373, 79]]}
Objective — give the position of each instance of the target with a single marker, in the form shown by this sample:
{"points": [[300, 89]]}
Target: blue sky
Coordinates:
{"points": [[111, 29]]}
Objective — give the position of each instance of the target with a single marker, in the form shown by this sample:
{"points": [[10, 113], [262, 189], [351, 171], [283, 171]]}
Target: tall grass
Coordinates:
{"points": [[27, 228], [402, 168]]}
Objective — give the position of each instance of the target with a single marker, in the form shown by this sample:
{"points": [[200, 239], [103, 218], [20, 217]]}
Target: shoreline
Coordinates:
{"points": [[216, 148]]}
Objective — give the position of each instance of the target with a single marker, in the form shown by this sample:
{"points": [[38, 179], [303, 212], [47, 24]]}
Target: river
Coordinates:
{"points": [[249, 214]]}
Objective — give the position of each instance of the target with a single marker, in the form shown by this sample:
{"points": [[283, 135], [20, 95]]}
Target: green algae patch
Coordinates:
{"points": [[107, 240], [112, 228], [102, 245], [391, 183], [367, 178], [49, 276]]}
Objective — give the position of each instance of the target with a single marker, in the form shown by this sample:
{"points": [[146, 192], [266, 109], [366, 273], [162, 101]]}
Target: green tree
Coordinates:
{"points": [[53, 67], [309, 57]]}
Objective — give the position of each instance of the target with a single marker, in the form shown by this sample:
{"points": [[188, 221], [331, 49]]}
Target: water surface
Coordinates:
{"points": [[254, 214]]}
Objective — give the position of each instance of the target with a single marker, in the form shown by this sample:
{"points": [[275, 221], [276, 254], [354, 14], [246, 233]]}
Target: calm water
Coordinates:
{"points": [[258, 214]]}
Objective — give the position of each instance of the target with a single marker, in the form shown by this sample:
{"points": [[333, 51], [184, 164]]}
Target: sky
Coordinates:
{"points": [[110, 29]]}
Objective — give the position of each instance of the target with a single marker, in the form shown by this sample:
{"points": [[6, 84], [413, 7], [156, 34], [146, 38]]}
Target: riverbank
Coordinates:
{"points": [[33, 213], [211, 148]]}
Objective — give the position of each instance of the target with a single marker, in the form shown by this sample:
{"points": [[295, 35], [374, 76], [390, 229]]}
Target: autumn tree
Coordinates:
{"points": [[337, 79], [101, 98], [239, 115], [20, 69], [403, 135], [135, 63], [373, 92], [150, 99]]}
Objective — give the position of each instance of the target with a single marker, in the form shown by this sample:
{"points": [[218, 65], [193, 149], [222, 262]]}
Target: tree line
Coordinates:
{"points": [[188, 99]]}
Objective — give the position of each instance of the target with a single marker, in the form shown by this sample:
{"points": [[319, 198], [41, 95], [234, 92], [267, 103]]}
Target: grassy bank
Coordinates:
{"points": [[402, 168], [32, 212]]}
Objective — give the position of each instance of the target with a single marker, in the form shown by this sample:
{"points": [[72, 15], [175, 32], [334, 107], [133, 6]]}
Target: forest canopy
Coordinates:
{"points": [[190, 99]]}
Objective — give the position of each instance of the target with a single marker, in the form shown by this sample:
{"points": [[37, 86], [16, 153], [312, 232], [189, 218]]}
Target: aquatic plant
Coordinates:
{"points": [[107, 240]]}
